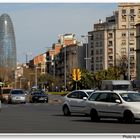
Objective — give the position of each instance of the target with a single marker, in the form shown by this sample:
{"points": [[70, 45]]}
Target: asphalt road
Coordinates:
{"points": [[48, 118]]}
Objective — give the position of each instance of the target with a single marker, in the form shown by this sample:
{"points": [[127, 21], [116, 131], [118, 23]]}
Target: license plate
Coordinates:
{"points": [[41, 99]]}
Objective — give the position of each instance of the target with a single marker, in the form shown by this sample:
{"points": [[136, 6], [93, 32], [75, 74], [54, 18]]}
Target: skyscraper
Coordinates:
{"points": [[7, 47]]}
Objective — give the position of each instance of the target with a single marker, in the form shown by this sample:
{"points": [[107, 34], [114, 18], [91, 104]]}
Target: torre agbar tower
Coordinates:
{"points": [[7, 48]]}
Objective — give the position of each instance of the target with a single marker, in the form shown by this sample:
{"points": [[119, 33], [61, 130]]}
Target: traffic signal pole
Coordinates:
{"points": [[76, 75]]}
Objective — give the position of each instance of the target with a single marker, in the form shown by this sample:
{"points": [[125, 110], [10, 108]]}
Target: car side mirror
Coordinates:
{"points": [[84, 98], [118, 101]]}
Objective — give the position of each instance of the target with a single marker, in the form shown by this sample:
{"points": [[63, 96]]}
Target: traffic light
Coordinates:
{"points": [[76, 74]]}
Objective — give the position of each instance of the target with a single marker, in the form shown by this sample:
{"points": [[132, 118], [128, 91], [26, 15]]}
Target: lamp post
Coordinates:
{"points": [[36, 80], [86, 42], [21, 82]]}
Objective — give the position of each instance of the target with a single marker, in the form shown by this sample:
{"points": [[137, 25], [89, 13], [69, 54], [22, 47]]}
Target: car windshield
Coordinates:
{"points": [[17, 92], [131, 97], [38, 93]]}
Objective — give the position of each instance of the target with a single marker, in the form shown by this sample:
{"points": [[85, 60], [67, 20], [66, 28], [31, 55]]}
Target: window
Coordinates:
{"points": [[82, 94], [101, 67], [101, 43], [131, 34], [123, 42], [113, 98], [73, 95], [110, 43], [110, 35], [94, 96], [110, 57], [101, 58], [123, 11], [132, 11], [102, 97], [97, 52], [97, 59], [123, 50], [92, 67], [123, 34], [123, 18], [92, 52], [132, 49], [132, 58], [132, 18], [139, 11], [101, 51], [96, 44], [131, 42]]}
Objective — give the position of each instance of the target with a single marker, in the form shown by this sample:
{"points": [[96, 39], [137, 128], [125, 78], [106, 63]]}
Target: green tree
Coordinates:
{"points": [[112, 73]]}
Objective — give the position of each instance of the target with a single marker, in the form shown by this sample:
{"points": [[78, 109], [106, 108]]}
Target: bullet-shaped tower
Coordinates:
{"points": [[7, 45]]}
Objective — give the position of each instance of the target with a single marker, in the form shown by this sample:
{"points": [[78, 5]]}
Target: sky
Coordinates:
{"points": [[37, 25]]}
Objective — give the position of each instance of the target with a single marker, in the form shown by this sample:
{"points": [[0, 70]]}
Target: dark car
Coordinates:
{"points": [[38, 96]]}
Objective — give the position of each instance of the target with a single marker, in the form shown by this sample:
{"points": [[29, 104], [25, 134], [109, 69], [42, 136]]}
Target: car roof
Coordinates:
{"points": [[86, 90], [116, 91]]}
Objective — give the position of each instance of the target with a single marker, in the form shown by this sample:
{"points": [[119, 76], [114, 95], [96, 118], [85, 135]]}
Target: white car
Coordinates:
{"points": [[123, 105], [17, 96], [74, 103]]}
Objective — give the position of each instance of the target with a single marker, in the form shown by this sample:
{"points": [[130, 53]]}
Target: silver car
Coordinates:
{"points": [[17, 96], [74, 101]]}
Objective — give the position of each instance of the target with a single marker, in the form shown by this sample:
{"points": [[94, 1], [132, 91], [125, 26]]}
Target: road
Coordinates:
{"points": [[48, 118]]}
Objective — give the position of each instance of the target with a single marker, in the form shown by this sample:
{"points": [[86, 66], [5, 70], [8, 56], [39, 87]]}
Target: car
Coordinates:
{"points": [[38, 96], [74, 101], [17, 96], [5, 91], [122, 105]]}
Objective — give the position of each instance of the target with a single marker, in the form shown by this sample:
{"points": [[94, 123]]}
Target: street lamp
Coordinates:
{"points": [[86, 42], [21, 82], [36, 81]]}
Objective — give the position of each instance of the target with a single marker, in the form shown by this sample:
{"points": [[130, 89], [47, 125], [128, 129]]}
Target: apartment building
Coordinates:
{"points": [[40, 62], [72, 52], [113, 42]]}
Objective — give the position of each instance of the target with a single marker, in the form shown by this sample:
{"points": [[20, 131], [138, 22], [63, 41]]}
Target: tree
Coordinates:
{"points": [[112, 73], [122, 64]]}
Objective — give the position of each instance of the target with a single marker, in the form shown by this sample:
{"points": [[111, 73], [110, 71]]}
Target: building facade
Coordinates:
{"points": [[113, 42]]}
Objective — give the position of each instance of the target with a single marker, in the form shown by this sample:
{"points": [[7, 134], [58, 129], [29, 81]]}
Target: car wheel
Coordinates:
{"points": [[66, 111], [94, 115], [129, 117]]}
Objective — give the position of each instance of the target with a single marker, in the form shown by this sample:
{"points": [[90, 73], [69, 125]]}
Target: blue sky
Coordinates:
{"points": [[37, 25]]}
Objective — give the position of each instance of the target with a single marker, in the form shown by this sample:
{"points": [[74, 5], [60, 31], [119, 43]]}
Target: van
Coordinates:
{"points": [[4, 95], [116, 85]]}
